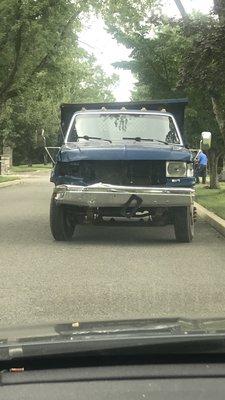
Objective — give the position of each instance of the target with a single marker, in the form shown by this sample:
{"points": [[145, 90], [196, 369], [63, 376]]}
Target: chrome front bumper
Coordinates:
{"points": [[104, 195]]}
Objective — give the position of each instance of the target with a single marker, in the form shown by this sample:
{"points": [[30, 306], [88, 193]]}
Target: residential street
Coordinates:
{"points": [[104, 273]]}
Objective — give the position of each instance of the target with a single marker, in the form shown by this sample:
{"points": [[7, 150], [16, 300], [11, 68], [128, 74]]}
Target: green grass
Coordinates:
{"points": [[35, 167], [212, 199], [7, 178]]}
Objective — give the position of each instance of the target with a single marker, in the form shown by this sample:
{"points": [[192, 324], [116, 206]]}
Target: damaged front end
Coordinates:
{"points": [[114, 172], [119, 191]]}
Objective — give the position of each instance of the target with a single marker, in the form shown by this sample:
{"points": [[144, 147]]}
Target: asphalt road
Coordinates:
{"points": [[104, 273]]}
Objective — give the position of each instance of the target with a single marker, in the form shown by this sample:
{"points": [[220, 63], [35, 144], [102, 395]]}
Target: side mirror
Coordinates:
{"points": [[52, 153], [60, 139], [205, 142]]}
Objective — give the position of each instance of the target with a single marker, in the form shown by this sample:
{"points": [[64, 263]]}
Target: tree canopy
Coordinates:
{"points": [[41, 66], [182, 57]]}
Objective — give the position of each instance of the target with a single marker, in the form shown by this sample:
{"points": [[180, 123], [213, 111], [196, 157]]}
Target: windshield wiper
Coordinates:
{"points": [[93, 137], [160, 141], [139, 139], [162, 336], [134, 343]]}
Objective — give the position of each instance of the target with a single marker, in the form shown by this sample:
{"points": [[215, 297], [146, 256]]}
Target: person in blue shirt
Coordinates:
{"points": [[202, 160]]}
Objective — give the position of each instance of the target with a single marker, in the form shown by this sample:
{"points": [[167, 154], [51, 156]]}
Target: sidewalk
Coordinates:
{"points": [[23, 177], [10, 183]]}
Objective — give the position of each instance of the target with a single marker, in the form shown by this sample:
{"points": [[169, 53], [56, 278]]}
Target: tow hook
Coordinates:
{"points": [[130, 210]]}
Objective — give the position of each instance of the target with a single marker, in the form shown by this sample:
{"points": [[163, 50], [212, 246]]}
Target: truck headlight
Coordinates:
{"points": [[190, 170], [176, 169]]}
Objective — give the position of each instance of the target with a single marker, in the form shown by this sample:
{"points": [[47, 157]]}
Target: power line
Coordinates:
{"points": [[89, 45]]}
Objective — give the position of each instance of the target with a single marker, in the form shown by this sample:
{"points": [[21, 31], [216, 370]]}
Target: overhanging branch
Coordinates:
{"points": [[42, 63], [18, 42], [13, 72], [181, 8]]}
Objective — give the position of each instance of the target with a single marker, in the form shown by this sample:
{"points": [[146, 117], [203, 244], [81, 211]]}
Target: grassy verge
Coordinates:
{"points": [[35, 167], [7, 178], [212, 199]]}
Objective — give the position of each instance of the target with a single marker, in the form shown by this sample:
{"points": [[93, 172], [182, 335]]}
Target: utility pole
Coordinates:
{"points": [[181, 8]]}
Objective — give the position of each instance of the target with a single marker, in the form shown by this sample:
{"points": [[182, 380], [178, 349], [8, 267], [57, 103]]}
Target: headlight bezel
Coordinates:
{"points": [[179, 169], [190, 170]]}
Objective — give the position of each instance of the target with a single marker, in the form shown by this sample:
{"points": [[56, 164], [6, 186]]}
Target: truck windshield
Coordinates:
{"points": [[114, 127]]}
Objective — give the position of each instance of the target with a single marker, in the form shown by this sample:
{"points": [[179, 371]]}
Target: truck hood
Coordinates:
{"points": [[97, 150]]}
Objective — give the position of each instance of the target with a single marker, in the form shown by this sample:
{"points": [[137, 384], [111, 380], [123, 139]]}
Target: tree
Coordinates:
{"points": [[41, 65], [219, 9], [174, 61], [204, 64], [156, 63], [67, 79], [33, 33], [128, 16]]}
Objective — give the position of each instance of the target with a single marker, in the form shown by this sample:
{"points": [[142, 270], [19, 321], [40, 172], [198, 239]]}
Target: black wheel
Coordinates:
{"points": [[184, 224], [61, 223]]}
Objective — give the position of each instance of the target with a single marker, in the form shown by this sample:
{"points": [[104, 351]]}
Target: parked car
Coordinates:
{"points": [[123, 163]]}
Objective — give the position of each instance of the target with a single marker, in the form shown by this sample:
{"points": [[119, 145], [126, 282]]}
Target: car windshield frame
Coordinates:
{"points": [[127, 112]]}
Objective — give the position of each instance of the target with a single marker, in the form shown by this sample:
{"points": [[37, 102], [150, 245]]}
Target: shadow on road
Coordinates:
{"points": [[36, 231], [127, 236]]}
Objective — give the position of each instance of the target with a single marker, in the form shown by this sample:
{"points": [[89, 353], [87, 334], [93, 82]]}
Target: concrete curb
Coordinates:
{"points": [[213, 219], [10, 183]]}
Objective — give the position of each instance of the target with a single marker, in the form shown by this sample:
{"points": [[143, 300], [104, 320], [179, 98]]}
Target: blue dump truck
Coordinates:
{"points": [[123, 164]]}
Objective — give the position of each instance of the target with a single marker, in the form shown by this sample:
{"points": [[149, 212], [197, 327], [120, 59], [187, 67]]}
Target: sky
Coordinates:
{"points": [[97, 41]]}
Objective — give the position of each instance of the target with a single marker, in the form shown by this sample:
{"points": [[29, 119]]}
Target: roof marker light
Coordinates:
{"points": [[103, 109], [83, 109], [123, 109], [143, 109], [163, 110]]}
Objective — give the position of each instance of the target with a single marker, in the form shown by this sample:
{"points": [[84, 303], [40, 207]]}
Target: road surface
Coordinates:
{"points": [[104, 273]]}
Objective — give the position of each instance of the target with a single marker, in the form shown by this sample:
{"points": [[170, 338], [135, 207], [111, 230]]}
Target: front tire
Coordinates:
{"points": [[61, 224], [184, 224]]}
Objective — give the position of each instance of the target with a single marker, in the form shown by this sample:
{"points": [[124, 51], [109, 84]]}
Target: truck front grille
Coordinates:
{"points": [[132, 172]]}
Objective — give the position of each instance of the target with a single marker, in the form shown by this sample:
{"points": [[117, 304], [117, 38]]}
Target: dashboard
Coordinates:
{"points": [[158, 381]]}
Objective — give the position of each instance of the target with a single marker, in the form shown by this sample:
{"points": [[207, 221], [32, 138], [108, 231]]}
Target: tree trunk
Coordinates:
{"points": [[45, 158], [219, 9], [213, 163], [181, 8], [218, 110]]}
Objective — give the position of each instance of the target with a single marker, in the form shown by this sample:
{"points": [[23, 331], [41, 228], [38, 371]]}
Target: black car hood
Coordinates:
{"points": [[129, 150]]}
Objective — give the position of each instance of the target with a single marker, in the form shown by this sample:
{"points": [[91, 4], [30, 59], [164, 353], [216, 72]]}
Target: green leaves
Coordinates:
{"points": [[180, 58], [41, 66]]}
